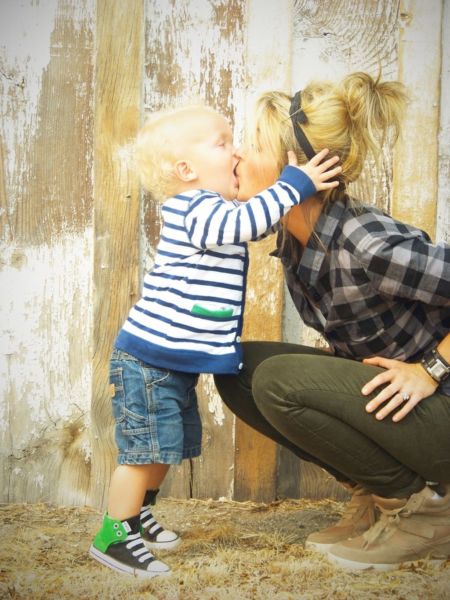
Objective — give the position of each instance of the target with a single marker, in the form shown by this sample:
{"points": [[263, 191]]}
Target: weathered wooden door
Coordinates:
{"points": [[76, 80]]}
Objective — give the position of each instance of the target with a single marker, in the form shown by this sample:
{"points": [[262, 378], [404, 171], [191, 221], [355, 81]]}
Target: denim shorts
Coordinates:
{"points": [[155, 411]]}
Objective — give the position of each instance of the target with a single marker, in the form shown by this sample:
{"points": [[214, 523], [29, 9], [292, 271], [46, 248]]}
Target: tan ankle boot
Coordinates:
{"points": [[359, 515], [420, 529]]}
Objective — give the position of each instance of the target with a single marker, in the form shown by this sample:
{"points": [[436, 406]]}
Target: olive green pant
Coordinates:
{"points": [[310, 402]]}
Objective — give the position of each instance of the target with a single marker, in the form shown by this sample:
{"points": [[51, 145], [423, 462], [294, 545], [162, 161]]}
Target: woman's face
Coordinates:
{"points": [[256, 171]]}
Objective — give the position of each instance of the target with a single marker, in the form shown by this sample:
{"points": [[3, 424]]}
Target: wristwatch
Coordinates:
{"points": [[435, 365]]}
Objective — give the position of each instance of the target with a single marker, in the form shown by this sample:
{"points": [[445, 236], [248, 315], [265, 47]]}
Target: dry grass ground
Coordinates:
{"points": [[230, 551]]}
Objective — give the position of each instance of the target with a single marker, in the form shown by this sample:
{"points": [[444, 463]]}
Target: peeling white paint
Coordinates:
{"points": [[215, 405], [443, 209], [25, 30], [199, 51], [269, 39], [45, 336], [39, 481]]}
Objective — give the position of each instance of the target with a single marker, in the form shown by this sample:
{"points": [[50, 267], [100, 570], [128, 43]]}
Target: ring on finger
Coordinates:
{"points": [[405, 397]]}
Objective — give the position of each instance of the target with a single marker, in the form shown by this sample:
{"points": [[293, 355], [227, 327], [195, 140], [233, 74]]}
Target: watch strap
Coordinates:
{"points": [[435, 365]]}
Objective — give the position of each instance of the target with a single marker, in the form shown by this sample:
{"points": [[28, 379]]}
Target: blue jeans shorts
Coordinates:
{"points": [[155, 411]]}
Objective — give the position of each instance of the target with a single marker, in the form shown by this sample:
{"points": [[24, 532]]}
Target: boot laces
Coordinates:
{"points": [[387, 522], [352, 509]]}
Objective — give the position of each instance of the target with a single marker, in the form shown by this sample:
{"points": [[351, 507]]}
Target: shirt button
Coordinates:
{"points": [[238, 339], [240, 365]]}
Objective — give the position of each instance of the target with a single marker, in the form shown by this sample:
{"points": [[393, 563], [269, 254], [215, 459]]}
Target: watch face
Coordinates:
{"points": [[438, 370]]}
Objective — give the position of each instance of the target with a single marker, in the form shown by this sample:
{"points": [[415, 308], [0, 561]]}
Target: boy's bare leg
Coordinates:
{"points": [[128, 486]]}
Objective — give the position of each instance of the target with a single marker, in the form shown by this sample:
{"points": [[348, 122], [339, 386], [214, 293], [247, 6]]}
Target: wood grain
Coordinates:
{"points": [[331, 40], [194, 51], [267, 62], [443, 195], [117, 210], [416, 156], [46, 99]]}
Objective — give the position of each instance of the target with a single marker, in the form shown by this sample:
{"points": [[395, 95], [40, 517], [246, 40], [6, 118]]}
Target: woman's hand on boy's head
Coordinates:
{"points": [[319, 172]]}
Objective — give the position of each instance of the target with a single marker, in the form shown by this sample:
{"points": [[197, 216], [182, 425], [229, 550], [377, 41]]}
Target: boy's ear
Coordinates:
{"points": [[184, 171]]}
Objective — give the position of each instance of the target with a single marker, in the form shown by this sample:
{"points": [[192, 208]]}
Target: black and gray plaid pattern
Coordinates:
{"points": [[373, 286]]}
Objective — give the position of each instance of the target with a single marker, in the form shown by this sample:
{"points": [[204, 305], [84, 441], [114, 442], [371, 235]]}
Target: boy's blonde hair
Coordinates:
{"points": [[352, 119], [156, 149]]}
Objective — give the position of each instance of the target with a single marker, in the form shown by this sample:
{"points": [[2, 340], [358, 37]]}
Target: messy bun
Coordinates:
{"points": [[375, 109], [352, 118]]}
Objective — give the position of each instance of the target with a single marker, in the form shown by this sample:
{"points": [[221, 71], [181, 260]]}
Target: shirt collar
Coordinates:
{"points": [[316, 250]]}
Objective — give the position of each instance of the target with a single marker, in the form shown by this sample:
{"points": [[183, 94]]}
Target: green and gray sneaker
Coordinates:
{"points": [[119, 546], [154, 535]]}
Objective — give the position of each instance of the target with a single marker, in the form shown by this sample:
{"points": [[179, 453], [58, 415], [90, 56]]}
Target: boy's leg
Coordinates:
{"points": [[144, 403], [153, 533], [118, 544], [142, 483], [129, 484]]}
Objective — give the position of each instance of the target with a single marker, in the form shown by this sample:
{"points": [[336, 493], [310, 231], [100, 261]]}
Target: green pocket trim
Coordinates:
{"points": [[205, 312]]}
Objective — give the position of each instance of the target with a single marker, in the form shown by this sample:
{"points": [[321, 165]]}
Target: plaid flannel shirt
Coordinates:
{"points": [[372, 286]]}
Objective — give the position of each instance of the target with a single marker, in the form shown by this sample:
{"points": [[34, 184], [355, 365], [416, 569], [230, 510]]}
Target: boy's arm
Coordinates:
{"points": [[212, 221], [274, 229]]}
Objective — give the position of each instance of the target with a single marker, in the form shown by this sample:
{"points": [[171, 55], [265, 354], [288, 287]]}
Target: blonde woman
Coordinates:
{"points": [[375, 409]]}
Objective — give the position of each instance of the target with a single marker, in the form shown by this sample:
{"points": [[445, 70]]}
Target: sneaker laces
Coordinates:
{"points": [[151, 525], [140, 551]]}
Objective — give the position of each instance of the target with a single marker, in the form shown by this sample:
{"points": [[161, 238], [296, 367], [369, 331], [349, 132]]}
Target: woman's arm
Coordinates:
{"points": [[402, 263], [406, 384]]}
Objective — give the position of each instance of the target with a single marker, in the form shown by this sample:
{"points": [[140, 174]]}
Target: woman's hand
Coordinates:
{"points": [[406, 385], [317, 170]]}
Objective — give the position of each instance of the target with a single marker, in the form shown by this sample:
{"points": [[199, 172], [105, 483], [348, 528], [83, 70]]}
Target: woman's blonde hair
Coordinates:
{"points": [[352, 119]]}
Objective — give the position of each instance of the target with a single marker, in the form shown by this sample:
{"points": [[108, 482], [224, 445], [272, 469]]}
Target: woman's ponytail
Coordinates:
{"points": [[352, 118], [375, 111]]}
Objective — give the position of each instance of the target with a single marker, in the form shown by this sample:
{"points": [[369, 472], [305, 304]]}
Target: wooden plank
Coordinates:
{"points": [[268, 67], [416, 156], [255, 455], [46, 65], [331, 40], [316, 483], [194, 51], [443, 197], [117, 210]]}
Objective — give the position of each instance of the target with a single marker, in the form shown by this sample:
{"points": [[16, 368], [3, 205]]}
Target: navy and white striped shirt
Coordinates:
{"points": [[373, 286], [189, 317]]}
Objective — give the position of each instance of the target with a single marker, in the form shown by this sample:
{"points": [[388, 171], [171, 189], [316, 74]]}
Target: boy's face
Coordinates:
{"points": [[209, 151]]}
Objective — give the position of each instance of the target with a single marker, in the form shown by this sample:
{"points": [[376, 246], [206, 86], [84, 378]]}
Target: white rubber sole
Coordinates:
{"points": [[112, 563], [351, 565], [322, 548], [162, 545]]}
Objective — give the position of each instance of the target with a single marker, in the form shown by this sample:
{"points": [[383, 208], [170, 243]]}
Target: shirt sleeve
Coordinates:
{"points": [[408, 266], [212, 221]]}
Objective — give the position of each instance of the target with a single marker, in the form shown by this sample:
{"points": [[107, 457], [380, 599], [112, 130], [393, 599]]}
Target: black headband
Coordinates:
{"points": [[298, 116]]}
